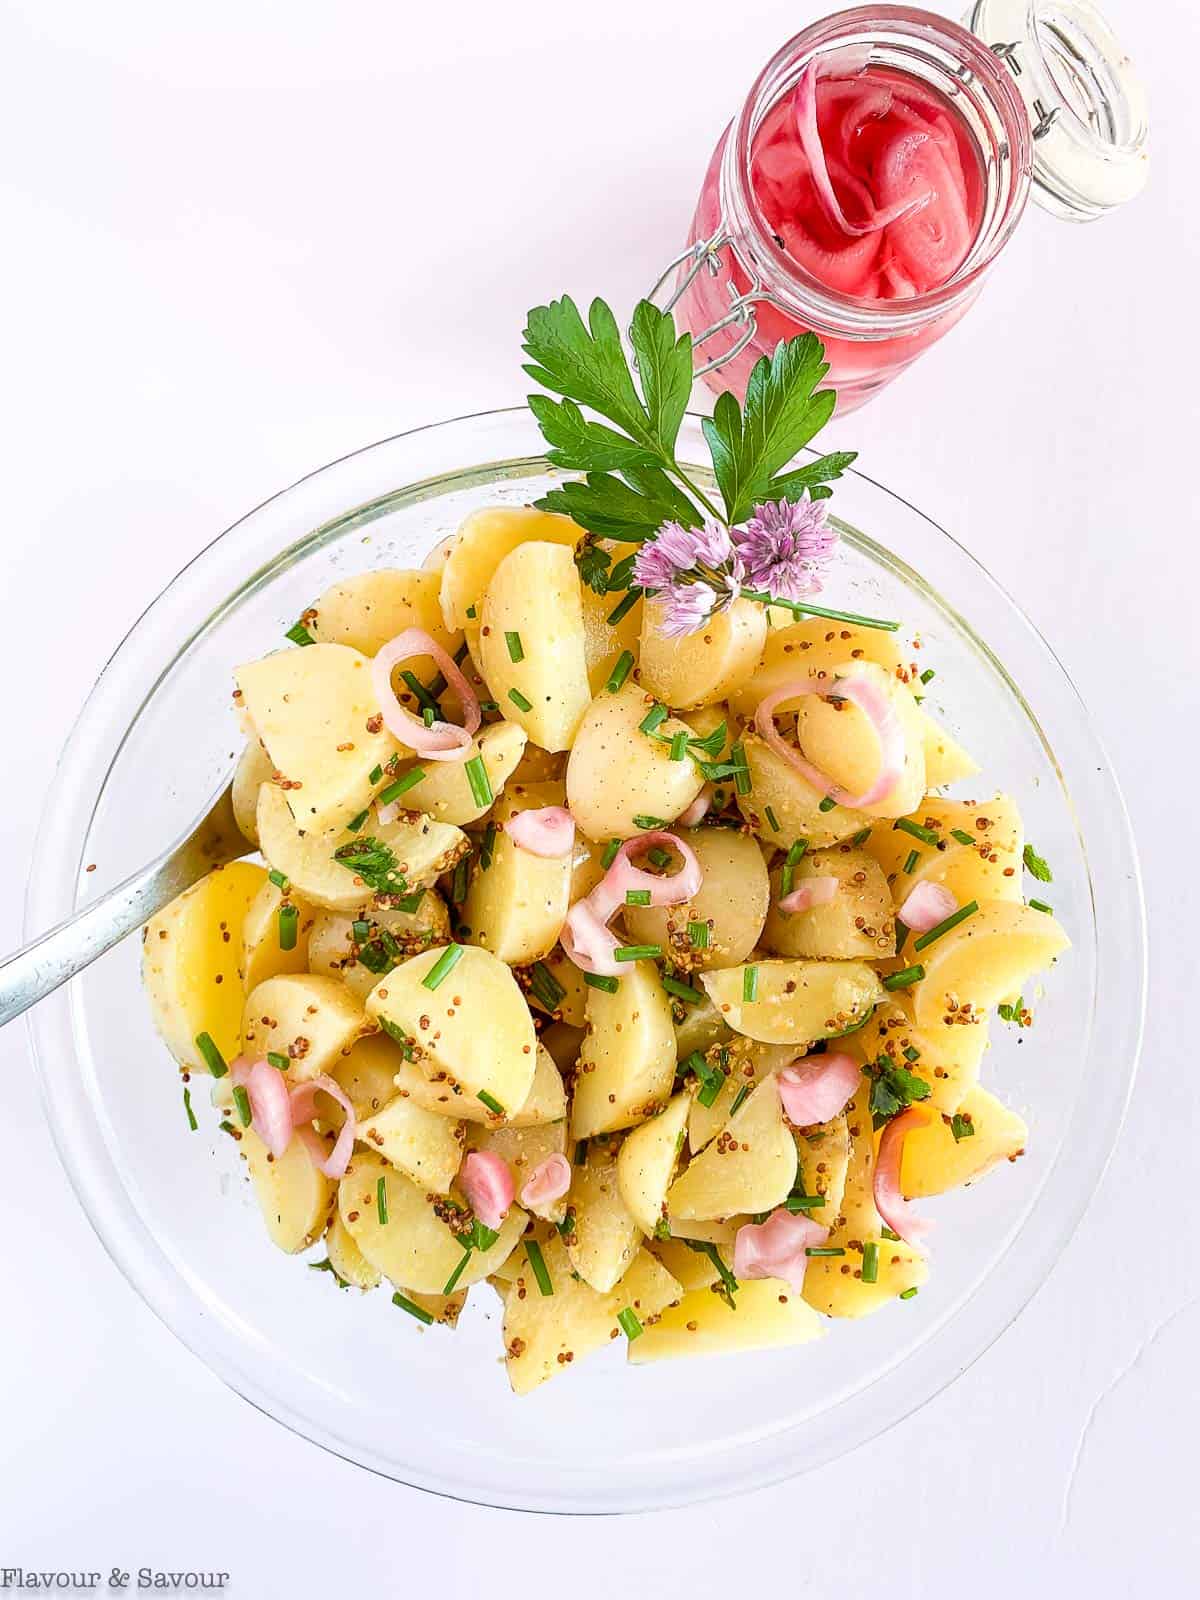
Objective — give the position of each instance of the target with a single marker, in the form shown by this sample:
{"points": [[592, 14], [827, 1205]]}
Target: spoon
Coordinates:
{"points": [[34, 972]]}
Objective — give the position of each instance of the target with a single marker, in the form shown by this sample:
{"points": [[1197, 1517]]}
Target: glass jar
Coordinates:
{"points": [[1045, 95]]}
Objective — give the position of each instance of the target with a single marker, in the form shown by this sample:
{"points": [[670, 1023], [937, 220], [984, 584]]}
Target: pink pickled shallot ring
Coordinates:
{"points": [[440, 741], [875, 706], [548, 1182], [267, 1090], [549, 831], [889, 1201], [698, 809], [816, 1088], [925, 906], [303, 1107], [777, 1248], [487, 1182], [586, 937], [815, 891]]}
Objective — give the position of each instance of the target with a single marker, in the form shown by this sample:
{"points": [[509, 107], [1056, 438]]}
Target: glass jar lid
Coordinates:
{"points": [[1086, 104]]}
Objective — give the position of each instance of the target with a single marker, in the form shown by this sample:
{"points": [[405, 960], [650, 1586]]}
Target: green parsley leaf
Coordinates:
{"points": [[1036, 865]]}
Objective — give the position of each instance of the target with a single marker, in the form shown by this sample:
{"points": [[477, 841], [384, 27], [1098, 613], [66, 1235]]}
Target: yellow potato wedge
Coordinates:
{"points": [[605, 1237], [986, 957], [616, 774], [254, 768], [293, 1195], [627, 1061], [335, 952], [478, 548], [751, 1166], [646, 1164], [732, 902], [368, 609], [516, 905], [264, 933], [768, 1314], [346, 1259], [708, 665], [946, 1055], [795, 1001], [312, 1021], [793, 802], [856, 925], [824, 1157], [445, 792], [949, 1151], [424, 1146]]}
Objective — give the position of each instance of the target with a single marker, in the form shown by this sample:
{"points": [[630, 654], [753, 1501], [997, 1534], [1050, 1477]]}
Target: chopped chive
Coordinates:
{"points": [[658, 857], [637, 897], [187, 1106], [656, 715], [742, 1094], [516, 650], [1036, 865], [710, 1090], [537, 1261], [481, 786], [472, 613], [519, 700], [749, 984], [907, 1294], [698, 935], [598, 980], [428, 716], [804, 1202], [742, 781], [401, 786], [901, 935], [460, 881], [488, 705], [827, 804], [642, 820], [610, 853], [567, 1226], [579, 1156], [679, 745], [1040, 905], [356, 823], [289, 923], [787, 876], [683, 991], [452, 1280], [213, 1059], [638, 952], [860, 838], [375, 774], [961, 835], [491, 1103], [488, 847], [443, 966], [888, 1234], [905, 979], [278, 879], [870, 1266], [280, 1062], [423, 697], [772, 819], [620, 672], [242, 1101], [961, 1127], [926, 835], [545, 986], [299, 634], [632, 596], [911, 860], [824, 1250], [911, 1054], [928, 675], [381, 1209], [629, 1322], [951, 921]]}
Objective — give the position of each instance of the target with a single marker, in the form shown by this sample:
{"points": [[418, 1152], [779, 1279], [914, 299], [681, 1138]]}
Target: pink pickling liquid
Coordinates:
{"points": [[886, 210]]}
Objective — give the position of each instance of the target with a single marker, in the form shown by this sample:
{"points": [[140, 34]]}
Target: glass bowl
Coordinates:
{"points": [[432, 1408]]}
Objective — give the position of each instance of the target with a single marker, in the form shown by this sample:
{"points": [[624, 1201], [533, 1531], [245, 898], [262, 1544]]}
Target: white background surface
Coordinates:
{"points": [[245, 238]]}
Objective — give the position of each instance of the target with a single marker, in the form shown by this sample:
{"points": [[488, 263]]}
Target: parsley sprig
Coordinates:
{"points": [[893, 1089]]}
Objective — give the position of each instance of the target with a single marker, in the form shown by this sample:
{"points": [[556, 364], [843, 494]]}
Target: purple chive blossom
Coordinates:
{"points": [[784, 546], [683, 608], [676, 550]]}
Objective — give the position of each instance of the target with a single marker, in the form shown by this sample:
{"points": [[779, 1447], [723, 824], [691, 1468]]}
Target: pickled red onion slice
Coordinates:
{"points": [[817, 1088], [875, 706], [776, 1248], [889, 1202], [585, 936], [818, 891], [440, 741], [485, 1179], [925, 906], [587, 941], [698, 809], [267, 1090], [303, 1106], [548, 1182], [549, 831]]}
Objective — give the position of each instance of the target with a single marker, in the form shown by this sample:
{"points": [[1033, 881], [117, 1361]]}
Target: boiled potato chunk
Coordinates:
{"points": [[311, 708], [369, 609], [986, 867], [545, 1105], [934, 1160], [616, 773], [263, 955], [563, 1042], [414, 1246], [479, 547], [293, 1195], [474, 1026], [627, 1061], [945, 759], [840, 741], [524, 1149], [985, 958], [367, 1073], [334, 951], [445, 794], [533, 610], [751, 1166], [769, 1314], [824, 1154], [793, 802], [732, 900], [254, 768], [745, 1063], [646, 1164], [605, 641], [605, 1237], [443, 1308], [346, 1259], [813, 649], [191, 963], [709, 664], [698, 1027], [422, 847], [572, 1007], [946, 1055], [856, 925], [545, 1334], [796, 1001], [312, 1021], [547, 1098], [516, 906], [424, 1146], [691, 1269]]}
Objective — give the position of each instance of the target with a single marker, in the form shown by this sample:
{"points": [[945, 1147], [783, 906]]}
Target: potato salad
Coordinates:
{"points": [[640, 974]]}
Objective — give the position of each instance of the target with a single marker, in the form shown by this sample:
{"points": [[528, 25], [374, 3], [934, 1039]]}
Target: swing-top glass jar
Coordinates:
{"points": [[879, 165]]}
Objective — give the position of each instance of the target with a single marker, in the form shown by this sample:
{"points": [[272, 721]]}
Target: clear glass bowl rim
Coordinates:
{"points": [[58, 886]]}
